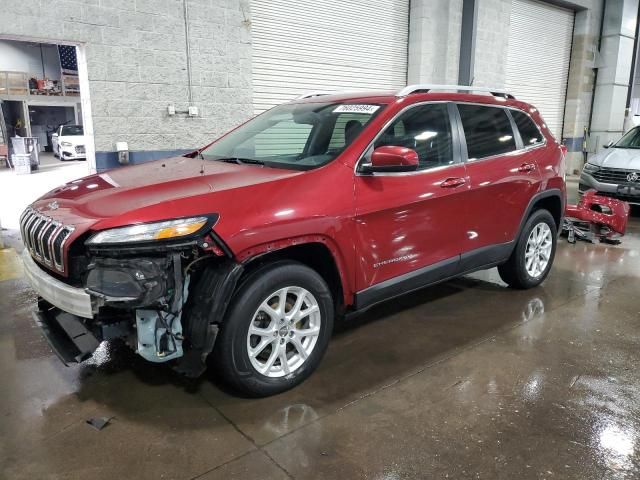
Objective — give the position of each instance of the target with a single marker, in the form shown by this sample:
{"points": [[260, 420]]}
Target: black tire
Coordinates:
{"points": [[513, 272], [230, 355]]}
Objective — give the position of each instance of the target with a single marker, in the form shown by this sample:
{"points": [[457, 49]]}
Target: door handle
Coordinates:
{"points": [[453, 182], [526, 167]]}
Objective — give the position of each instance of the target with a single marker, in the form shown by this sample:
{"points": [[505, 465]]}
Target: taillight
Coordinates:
{"points": [[563, 149]]}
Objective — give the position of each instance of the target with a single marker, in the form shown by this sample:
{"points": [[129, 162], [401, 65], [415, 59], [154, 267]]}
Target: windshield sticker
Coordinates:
{"points": [[367, 109]]}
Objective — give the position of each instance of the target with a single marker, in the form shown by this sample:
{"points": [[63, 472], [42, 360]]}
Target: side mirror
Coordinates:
{"points": [[392, 159], [609, 145]]}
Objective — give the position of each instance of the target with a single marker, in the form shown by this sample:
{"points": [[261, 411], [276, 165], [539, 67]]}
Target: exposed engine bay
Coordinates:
{"points": [[165, 305]]}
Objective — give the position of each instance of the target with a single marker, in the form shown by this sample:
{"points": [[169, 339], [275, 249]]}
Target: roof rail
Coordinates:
{"points": [[424, 88], [316, 93]]}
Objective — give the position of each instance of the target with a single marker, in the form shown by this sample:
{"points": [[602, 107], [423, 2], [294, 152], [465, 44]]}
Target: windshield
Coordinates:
{"points": [[630, 140], [72, 130], [295, 136]]}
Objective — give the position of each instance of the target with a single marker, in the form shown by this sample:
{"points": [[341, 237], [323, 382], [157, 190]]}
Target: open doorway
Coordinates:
{"points": [[15, 119], [43, 94], [45, 122]]}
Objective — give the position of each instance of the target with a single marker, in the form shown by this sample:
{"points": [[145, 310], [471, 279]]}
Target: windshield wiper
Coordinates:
{"points": [[241, 161]]}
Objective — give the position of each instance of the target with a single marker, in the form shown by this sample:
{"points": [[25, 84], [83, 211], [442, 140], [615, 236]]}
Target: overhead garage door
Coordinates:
{"points": [[538, 59], [325, 45]]}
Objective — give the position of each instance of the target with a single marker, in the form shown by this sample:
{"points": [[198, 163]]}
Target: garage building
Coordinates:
{"points": [[468, 378], [233, 59]]}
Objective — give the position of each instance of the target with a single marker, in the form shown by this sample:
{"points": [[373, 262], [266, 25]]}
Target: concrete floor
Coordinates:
{"points": [[464, 380]]}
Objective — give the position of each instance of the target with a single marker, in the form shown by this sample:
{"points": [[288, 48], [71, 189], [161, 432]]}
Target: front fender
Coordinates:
{"points": [[344, 270]]}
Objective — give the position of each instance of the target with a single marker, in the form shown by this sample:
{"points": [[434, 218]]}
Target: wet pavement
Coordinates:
{"points": [[467, 379]]}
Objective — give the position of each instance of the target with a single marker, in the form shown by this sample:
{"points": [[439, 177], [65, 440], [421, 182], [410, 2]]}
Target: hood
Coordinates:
{"points": [[624, 158], [151, 191], [74, 140]]}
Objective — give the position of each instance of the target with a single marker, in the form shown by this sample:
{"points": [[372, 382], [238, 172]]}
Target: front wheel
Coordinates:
{"points": [[533, 255], [276, 331]]}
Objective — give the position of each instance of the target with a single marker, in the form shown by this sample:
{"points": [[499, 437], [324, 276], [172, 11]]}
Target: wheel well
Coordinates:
{"points": [[314, 255], [553, 204]]}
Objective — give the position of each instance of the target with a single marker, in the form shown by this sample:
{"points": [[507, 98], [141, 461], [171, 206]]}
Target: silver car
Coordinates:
{"points": [[615, 172]]}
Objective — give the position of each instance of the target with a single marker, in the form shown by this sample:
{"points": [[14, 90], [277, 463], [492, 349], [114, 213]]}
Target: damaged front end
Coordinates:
{"points": [[165, 299], [152, 292]]}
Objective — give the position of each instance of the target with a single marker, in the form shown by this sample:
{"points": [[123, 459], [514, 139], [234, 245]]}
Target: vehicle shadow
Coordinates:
{"points": [[379, 347], [419, 311]]}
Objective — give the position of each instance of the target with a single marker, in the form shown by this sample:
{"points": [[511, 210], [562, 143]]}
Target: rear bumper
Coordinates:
{"points": [[66, 298], [66, 334]]}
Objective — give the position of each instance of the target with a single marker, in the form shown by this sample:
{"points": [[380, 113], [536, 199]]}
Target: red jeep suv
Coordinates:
{"points": [[242, 253]]}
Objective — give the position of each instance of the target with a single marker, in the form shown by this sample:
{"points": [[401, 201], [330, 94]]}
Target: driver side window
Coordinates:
{"points": [[425, 129]]}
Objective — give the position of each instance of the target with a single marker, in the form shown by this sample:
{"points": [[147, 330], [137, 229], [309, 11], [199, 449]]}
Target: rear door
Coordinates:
{"points": [[408, 225], [504, 176]]}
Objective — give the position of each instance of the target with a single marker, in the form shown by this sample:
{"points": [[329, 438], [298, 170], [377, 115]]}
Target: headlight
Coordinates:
{"points": [[65, 144], [591, 168], [149, 231]]}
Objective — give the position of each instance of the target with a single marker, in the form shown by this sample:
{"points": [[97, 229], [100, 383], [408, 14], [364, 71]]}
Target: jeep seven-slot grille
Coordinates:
{"points": [[45, 238], [613, 175]]}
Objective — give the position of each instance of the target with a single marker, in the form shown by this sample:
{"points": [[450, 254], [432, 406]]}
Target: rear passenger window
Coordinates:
{"points": [[487, 131], [528, 130], [425, 129]]}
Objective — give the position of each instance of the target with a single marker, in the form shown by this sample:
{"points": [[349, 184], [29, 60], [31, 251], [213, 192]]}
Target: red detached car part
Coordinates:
{"points": [[596, 218]]}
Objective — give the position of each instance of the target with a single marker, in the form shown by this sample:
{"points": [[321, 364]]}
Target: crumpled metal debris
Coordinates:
{"points": [[596, 218]]}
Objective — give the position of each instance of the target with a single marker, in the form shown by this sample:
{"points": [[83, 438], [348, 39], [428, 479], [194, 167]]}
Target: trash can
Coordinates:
{"points": [[21, 163], [26, 146]]}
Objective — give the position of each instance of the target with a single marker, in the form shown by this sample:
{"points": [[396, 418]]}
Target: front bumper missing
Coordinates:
{"points": [[67, 298], [148, 293], [66, 334]]}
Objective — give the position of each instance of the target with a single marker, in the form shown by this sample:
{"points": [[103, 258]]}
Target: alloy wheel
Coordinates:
{"points": [[538, 251], [283, 331]]}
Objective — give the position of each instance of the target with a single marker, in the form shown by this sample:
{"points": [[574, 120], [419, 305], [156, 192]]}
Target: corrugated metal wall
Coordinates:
{"points": [[538, 59], [306, 45]]}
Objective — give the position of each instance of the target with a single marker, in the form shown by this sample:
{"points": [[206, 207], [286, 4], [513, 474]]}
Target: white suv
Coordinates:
{"points": [[615, 172]]}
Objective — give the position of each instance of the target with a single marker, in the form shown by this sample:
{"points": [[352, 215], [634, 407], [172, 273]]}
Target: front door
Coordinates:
{"points": [[410, 226]]}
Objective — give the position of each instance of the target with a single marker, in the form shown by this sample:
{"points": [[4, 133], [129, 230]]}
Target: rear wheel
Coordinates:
{"points": [[533, 255], [276, 331]]}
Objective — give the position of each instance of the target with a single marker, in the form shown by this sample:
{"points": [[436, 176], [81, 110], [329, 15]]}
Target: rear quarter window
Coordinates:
{"points": [[528, 130], [487, 131]]}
